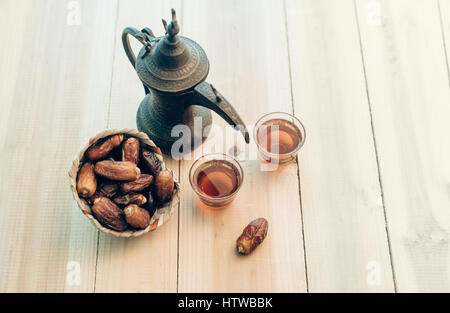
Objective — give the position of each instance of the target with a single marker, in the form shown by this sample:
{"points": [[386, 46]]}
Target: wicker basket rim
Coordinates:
{"points": [[161, 215]]}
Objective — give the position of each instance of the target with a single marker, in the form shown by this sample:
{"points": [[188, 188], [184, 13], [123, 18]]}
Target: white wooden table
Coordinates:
{"points": [[365, 209]]}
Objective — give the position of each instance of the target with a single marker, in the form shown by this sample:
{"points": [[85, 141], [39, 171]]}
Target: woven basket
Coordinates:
{"points": [[161, 215]]}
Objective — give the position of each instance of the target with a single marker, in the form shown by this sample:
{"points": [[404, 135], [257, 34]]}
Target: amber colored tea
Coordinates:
{"points": [[217, 178], [279, 136]]}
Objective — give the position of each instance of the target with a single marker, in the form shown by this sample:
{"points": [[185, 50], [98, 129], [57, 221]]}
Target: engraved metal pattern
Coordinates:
{"points": [[178, 73], [174, 50], [158, 128], [179, 79]]}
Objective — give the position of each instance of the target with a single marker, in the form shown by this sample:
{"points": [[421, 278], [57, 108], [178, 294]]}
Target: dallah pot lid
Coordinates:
{"points": [[172, 63]]}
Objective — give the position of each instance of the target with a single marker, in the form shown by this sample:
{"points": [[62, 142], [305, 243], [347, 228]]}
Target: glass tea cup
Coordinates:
{"points": [[216, 178], [279, 136]]}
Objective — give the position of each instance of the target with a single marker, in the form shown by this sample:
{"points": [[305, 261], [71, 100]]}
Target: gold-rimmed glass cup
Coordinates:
{"points": [[279, 136], [216, 178]]}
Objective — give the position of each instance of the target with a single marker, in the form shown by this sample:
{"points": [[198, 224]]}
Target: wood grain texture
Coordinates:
{"points": [[409, 93], [55, 90], [370, 80], [345, 236], [247, 48], [147, 263], [444, 10]]}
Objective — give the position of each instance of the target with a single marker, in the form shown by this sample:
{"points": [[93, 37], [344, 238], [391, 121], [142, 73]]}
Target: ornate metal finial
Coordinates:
{"points": [[173, 28]]}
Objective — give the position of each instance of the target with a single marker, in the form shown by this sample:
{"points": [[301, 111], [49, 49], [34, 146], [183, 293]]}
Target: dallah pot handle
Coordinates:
{"points": [[145, 37]]}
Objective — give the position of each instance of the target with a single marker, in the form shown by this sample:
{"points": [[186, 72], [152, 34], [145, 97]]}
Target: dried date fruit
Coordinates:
{"points": [[252, 236], [143, 182], [91, 200], [130, 150], [136, 216], [86, 182], [150, 199], [109, 214], [118, 170], [108, 190], [164, 185], [131, 198], [151, 204], [156, 150], [101, 150], [152, 162]]}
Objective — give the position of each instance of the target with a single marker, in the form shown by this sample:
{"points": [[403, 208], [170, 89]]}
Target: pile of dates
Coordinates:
{"points": [[124, 182]]}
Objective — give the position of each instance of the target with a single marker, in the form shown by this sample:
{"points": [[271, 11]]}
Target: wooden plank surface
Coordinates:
{"points": [[55, 93], [248, 52], [345, 236], [147, 263], [444, 10], [409, 94], [369, 78]]}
